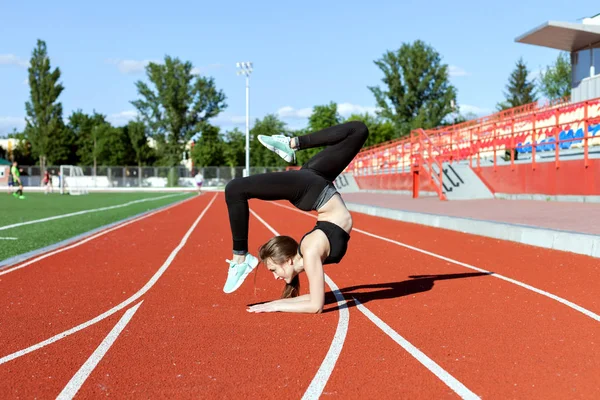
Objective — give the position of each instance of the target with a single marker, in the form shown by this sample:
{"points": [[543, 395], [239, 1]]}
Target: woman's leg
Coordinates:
{"points": [[343, 142], [289, 185]]}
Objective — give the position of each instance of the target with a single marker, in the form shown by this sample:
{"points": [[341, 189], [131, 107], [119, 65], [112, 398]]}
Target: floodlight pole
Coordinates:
{"points": [[246, 70], [247, 126]]}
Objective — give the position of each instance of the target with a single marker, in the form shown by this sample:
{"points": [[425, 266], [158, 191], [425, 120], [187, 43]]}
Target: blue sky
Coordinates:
{"points": [[305, 53]]}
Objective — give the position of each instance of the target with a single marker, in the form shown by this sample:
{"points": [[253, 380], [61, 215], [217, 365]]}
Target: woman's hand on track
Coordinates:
{"points": [[265, 307]]}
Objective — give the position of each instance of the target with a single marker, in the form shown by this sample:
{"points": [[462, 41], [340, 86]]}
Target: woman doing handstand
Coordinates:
{"points": [[309, 188]]}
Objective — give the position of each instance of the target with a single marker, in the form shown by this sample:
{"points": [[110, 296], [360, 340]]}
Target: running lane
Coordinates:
{"points": [[45, 371], [495, 337], [568, 275], [68, 288], [371, 364], [189, 339]]}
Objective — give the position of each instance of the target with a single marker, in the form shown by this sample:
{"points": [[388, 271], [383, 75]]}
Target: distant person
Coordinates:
{"points": [[199, 181], [15, 171], [47, 182], [11, 182], [60, 181]]}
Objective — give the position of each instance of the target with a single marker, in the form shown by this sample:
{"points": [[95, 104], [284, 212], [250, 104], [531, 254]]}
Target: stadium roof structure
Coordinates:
{"points": [[566, 36]]}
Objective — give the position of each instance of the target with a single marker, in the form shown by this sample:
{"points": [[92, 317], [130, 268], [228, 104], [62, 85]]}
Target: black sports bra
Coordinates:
{"points": [[338, 241]]}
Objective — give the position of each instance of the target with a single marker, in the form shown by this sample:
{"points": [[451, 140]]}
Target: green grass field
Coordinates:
{"points": [[37, 206]]}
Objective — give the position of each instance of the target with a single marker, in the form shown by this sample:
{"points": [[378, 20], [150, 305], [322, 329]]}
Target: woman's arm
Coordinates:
{"points": [[308, 303], [293, 299]]}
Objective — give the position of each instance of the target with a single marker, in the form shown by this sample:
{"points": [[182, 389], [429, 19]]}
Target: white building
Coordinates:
{"points": [[582, 41]]}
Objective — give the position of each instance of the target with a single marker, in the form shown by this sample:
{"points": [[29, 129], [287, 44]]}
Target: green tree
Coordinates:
{"points": [[143, 154], [86, 137], [260, 156], [417, 91], [323, 116], [208, 150], [136, 132], [115, 148], [45, 126], [22, 152], [555, 81], [234, 151], [98, 138], [179, 106], [380, 130], [520, 90]]}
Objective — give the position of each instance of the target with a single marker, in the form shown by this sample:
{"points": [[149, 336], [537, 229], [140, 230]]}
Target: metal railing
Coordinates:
{"points": [[522, 133], [426, 156]]}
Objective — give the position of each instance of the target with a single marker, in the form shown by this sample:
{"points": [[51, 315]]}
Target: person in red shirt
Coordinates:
{"points": [[47, 182]]}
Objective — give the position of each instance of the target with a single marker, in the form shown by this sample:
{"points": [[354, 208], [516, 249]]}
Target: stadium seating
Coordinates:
{"points": [[492, 135]]}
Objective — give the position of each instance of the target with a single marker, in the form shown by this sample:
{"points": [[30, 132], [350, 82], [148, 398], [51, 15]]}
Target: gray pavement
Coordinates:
{"points": [[565, 226]]}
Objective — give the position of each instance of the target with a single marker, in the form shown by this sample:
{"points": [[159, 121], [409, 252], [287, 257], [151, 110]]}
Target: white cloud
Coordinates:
{"points": [[344, 109], [11, 59], [204, 70], [347, 109], [7, 124], [292, 113], [131, 66], [231, 119], [453, 71], [122, 118]]}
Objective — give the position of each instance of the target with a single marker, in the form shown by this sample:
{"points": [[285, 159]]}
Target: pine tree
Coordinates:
{"points": [[521, 91], [45, 125]]}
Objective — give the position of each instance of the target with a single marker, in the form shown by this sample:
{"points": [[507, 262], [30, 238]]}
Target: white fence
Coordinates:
{"points": [[144, 177]]}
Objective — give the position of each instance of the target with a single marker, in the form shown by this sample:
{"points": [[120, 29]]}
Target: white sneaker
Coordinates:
{"points": [[238, 272], [280, 145]]}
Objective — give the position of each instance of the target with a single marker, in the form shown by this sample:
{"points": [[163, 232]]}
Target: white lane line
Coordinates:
{"points": [[319, 381], [462, 264], [431, 365], [8, 238], [86, 369], [504, 278], [118, 307], [83, 241], [37, 221]]}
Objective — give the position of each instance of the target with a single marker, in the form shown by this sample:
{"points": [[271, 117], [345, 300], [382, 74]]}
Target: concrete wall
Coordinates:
{"points": [[571, 178], [587, 89]]}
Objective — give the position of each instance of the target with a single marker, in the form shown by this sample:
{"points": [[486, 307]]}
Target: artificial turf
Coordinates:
{"points": [[38, 205]]}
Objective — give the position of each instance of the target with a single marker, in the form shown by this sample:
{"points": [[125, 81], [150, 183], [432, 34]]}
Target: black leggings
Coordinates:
{"points": [[301, 187]]}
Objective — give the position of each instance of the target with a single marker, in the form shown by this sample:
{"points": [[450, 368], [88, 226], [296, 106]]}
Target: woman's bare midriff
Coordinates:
{"points": [[335, 211]]}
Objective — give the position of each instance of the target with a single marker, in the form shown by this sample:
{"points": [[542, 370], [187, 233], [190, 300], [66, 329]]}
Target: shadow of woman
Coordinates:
{"points": [[390, 290]]}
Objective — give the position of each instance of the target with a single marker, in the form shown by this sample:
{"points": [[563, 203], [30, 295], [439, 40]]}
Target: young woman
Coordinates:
{"points": [[308, 188], [199, 181]]}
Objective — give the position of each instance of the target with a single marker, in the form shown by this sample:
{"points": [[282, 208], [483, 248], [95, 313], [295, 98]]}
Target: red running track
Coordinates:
{"points": [[473, 333]]}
